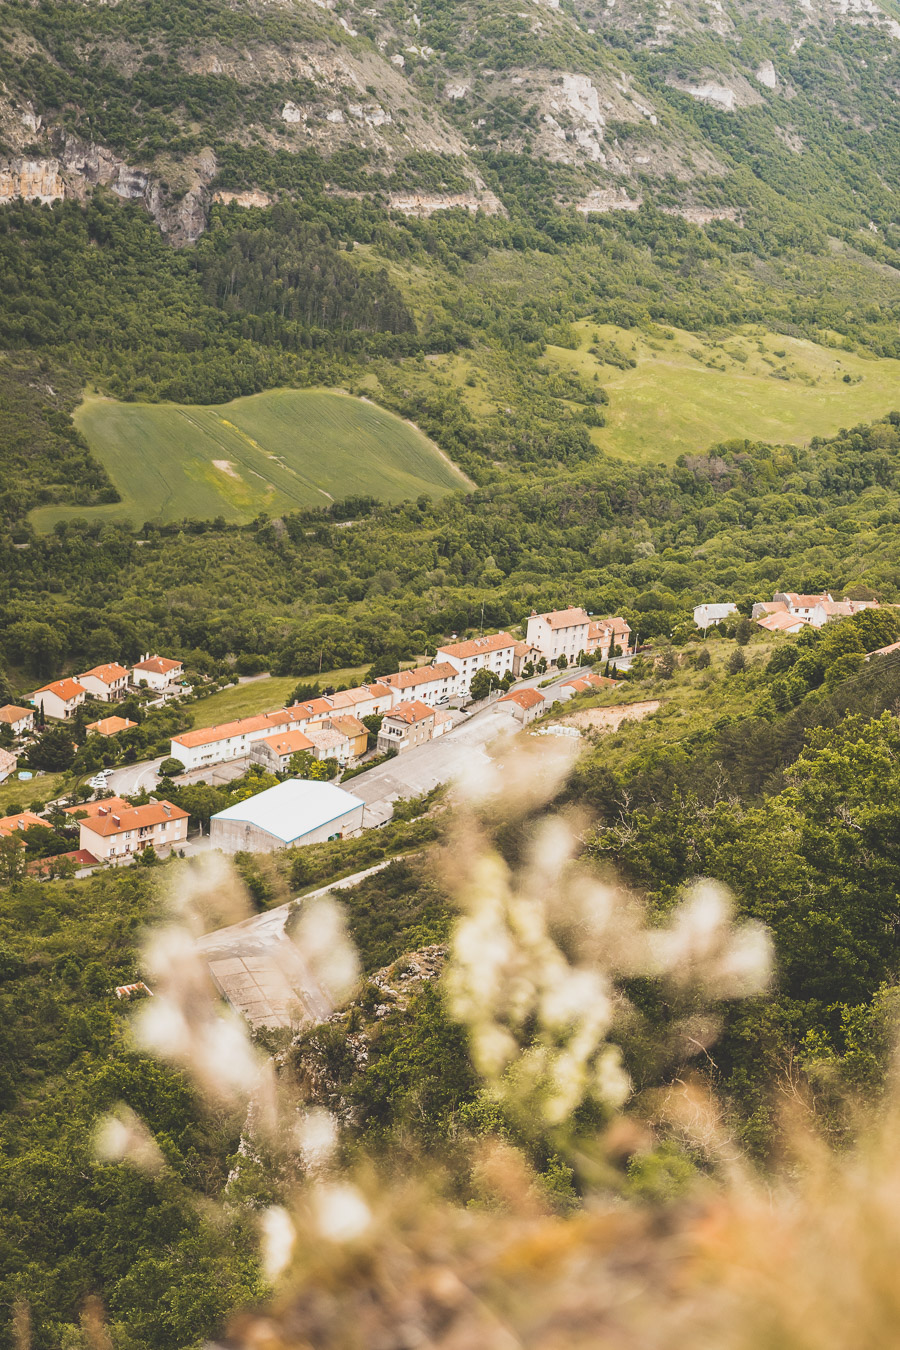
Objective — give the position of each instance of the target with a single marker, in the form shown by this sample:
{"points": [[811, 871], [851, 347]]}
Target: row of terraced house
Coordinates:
{"points": [[411, 703]]}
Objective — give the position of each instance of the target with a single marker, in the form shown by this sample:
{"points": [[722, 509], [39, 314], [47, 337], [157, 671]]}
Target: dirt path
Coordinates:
{"points": [[610, 719]]}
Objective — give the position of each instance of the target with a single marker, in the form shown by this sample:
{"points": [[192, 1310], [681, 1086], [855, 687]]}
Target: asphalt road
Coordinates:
{"points": [[424, 767], [262, 973]]}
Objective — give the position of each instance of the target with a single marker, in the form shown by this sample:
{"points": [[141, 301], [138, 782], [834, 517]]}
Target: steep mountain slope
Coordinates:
{"points": [[445, 103]]}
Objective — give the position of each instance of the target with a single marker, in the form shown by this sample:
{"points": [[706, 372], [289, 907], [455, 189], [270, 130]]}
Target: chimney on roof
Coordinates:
{"points": [[103, 811], [117, 820]]}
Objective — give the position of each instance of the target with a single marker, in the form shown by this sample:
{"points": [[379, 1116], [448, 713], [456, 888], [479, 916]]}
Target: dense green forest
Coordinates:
{"points": [[741, 522]]}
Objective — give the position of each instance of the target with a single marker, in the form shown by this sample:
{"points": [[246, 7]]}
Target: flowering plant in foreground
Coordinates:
{"points": [[360, 1256]]}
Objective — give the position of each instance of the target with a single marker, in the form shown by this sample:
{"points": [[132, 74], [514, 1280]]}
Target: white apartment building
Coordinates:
{"points": [[562, 632], [426, 684], [106, 683], [230, 740], [495, 653]]}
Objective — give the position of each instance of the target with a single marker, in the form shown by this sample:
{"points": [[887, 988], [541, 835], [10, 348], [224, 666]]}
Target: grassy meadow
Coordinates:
{"points": [[686, 393], [278, 451], [264, 695]]}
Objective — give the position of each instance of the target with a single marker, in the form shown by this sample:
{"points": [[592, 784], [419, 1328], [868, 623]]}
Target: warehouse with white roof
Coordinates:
{"points": [[298, 811]]}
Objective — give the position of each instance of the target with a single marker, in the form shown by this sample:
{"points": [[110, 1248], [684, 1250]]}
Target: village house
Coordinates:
{"points": [[19, 720], [109, 726], [113, 834], [8, 762], [159, 673], [411, 724], [296, 812], [106, 683], [605, 635], [102, 806], [524, 654], [783, 622], [23, 820], [709, 615], [524, 704], [589, 683], [60, 700], [815, 609], [328, 743], [426, 684], [884, 651], [275, 752], [494, 653], [356, 734], [561, 632]]}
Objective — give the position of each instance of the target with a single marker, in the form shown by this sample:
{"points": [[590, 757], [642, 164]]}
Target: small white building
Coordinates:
{"points": [[524, 704], [296, 812], [106, 683], [19, 720], [561, 632], [709, 615], [494, 652], [159, 673], [61, 699]]}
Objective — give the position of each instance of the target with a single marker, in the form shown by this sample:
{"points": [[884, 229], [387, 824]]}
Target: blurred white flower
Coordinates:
{"points": [[316, 1136], [122, 1137], [322, 939], [277, 1238], [340, 1211]]}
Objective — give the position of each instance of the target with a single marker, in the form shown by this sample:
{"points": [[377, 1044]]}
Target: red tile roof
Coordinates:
{"points": [[63, 689], [494, 642], [110, 726], [289, 743], [80, 856], [159, 665], [573, 617], [136, 817], [526, 698], [779, 623], [105, 804], [13, 713], [282, 717], [107, 674], [410, 712], [408, 679], [23, 821]]}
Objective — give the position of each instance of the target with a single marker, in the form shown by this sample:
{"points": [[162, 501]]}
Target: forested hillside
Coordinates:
{"points": [[634, 271]]}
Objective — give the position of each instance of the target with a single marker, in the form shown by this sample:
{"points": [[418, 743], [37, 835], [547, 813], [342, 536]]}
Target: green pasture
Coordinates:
{"points": [[686, 393], [263, 695], [273, 452]]}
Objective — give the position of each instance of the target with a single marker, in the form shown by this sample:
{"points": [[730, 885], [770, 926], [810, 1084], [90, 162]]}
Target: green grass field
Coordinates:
{"points": [[273, 452], [272, 691], [686, 393]]}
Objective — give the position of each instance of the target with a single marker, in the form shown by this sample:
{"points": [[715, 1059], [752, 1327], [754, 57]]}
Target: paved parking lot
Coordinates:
{"points": [[425, 766]]}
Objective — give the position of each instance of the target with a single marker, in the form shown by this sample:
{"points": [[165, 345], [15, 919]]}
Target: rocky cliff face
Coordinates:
{"points": [[417, 104]]}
